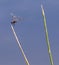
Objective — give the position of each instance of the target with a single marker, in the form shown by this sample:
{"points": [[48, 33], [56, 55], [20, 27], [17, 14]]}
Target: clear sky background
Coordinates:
{"points": [[30, 32]]}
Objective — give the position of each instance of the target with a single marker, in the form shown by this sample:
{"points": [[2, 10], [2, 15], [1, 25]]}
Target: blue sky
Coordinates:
{"points": [[30, 32]]}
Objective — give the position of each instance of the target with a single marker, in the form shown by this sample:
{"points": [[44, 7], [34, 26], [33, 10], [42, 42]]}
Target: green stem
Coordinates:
{"points": [[47, 38]]}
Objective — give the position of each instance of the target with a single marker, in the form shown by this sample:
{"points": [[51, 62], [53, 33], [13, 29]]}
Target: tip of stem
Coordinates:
{"points": [[42, 9]]}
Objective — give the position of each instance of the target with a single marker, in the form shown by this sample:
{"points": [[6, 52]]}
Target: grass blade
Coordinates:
{"points": [[47, 38], [19, 45]]}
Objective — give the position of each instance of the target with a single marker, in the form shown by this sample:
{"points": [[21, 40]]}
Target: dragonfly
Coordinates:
{"points": [[15, 19]]}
